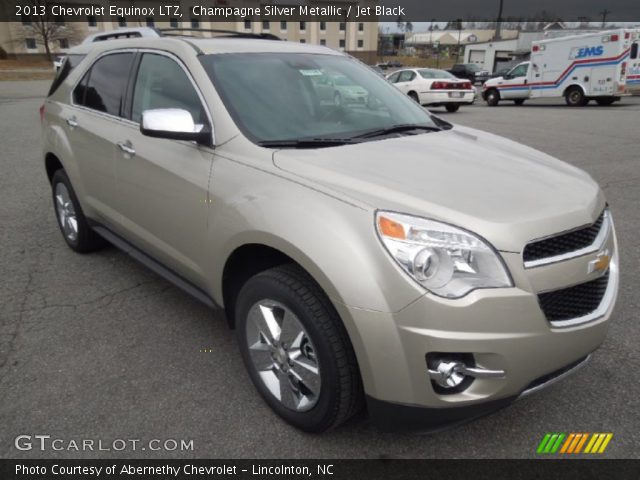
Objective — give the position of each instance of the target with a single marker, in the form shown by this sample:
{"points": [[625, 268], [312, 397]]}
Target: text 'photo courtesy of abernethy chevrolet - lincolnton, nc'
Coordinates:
{"points": [[364, 257]]}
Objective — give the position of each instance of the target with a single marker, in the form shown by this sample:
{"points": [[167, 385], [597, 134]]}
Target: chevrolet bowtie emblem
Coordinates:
{"points": [[600, 263]]}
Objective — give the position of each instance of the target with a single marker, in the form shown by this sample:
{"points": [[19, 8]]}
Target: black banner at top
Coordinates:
{"points": [[582, 11]]}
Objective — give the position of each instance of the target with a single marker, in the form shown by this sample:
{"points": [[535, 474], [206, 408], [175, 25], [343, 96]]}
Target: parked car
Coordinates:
{"points": [[377, 256], [470, 71], [57, 62], [378, 70], [435, 88]]}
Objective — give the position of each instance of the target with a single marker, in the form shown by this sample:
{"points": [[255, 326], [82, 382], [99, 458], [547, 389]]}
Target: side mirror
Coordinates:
{"points": [[174, 124]]}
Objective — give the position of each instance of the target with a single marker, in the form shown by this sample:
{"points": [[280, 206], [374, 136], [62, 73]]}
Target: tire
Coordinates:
{"points": [[605, 101], [316, 337], [414, 96], [492, 97], [73, 224], [519, 102], [452, 108], [574, 97]]}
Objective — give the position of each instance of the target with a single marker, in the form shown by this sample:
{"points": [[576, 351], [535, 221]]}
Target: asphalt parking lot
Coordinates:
{"points": [[98, 347]]}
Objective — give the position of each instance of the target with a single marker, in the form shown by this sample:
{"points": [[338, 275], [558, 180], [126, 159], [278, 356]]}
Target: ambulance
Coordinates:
{"points": [[633, 64], [580, 68]]}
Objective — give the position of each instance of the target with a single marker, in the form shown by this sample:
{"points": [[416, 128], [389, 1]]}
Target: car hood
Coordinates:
{"points": [[502, 190]]}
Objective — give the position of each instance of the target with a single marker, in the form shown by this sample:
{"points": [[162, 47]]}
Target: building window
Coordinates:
{"points": [[150, 22], [361, 27], [266, 25], [64, 43], [343, 26], [303, 26], [323, 26], [26, 19], [247, 24], [323, 42], [342, 43], [360, 43], [122, 22], [92, 21], [283, 26], [30, 43], [173, 22], [195, 23], [302, 40]]}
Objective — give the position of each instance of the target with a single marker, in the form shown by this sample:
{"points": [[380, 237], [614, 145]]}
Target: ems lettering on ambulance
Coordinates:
{"points": [[586, 52]]}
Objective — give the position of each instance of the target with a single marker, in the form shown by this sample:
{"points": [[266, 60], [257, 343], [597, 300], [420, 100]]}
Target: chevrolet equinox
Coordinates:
{"points": [[367, 253]]}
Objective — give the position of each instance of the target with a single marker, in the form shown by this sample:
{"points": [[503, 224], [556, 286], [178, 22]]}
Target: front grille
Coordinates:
{"points": [[574, 302], [563, 243]]}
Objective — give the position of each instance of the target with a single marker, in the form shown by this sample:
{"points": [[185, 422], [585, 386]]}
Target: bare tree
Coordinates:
{"points": [[46, 29]]}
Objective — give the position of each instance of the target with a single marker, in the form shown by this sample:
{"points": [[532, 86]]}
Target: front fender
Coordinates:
{"points": [[335, 241]]}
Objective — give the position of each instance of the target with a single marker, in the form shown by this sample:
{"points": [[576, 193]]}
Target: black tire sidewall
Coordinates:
{"points": [[319, 418], [60, 176], [493, 97]]}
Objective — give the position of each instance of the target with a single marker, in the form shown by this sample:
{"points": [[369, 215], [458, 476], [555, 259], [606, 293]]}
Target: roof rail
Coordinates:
{"points": [[135, 32], [176, 32]]}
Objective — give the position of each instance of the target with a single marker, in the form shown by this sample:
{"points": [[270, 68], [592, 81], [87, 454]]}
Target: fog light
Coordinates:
{"points": [[454, 372]]}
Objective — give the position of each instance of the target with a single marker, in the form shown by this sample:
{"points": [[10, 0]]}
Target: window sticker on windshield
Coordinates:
{"points": [[311, 73]]}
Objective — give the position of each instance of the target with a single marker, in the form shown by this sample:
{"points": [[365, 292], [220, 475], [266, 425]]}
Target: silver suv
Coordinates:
{"points": [[367, 253]]}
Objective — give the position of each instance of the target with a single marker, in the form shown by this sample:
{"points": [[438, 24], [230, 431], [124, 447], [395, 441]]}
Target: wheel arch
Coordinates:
{"points": [[52, 164], [572, 86]]}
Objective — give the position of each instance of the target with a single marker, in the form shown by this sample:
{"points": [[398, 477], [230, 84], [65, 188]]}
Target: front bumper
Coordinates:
{"points": [[503, 329]]}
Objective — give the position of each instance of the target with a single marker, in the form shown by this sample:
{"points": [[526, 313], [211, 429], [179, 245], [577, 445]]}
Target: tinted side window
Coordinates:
{"points": [[162, 83], [406, 76], [394, 78], [105, 83]]}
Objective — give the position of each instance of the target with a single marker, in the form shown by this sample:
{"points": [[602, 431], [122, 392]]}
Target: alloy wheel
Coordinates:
{"points": [[283, 355], [66, 212]]}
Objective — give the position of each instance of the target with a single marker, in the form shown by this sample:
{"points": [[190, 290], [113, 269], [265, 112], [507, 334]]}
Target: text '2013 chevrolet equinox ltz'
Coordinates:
{"points": [[366, 252]]}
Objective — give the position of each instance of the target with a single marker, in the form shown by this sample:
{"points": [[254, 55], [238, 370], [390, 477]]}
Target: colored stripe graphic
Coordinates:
{"points": [[572, 443]]}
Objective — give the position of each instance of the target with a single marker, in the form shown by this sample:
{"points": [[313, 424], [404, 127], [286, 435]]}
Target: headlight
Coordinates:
{"points": [[446, 260]]}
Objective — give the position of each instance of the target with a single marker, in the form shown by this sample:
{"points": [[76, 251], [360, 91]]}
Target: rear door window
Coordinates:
{"points": [[407, 76], [103, 86]]}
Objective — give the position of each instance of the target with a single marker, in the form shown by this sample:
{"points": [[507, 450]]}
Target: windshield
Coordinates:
{"points": [[428, 74], [280, 97]]}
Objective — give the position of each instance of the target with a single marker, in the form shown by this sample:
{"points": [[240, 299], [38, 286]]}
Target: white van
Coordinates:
{"points": [[579, 68]]}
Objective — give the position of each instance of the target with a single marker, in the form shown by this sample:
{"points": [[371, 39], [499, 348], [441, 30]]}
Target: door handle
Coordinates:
{"points": [[127, 148], [72, 122]]}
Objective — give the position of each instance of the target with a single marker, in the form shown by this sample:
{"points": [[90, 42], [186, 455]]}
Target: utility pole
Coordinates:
{"points": [[604, 14], [459, 22], [499, 21]]}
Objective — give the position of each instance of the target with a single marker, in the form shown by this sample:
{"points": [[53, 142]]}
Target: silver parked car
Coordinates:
{"points": [[366, 255]]}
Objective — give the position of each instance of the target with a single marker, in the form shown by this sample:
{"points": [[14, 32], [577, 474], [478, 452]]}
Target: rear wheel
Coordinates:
{"points": [[414, 96], [296, 349], [492, 97], [71, 220], [519, 101], [574, 97], [605, 101], [452, 108]]}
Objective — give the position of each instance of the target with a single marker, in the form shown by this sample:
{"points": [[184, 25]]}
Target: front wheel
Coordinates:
{"points": [[492, 97], [296, 349], [452, 108]]}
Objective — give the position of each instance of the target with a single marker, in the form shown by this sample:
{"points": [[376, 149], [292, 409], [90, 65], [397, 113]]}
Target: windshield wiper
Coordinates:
{"points": [[379, 132], [306, 143]]}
